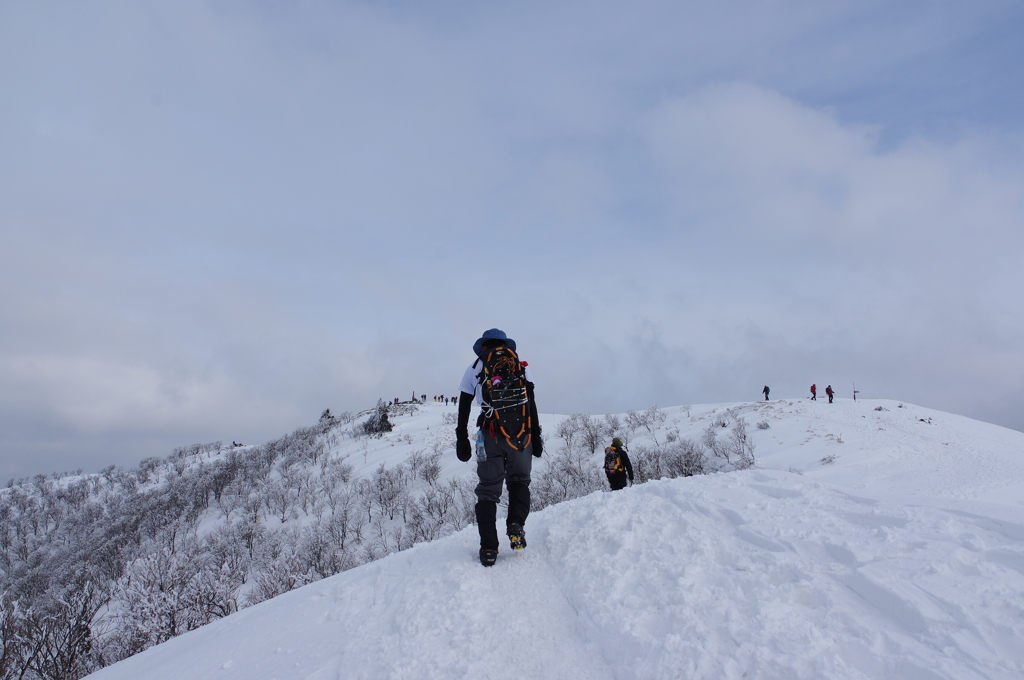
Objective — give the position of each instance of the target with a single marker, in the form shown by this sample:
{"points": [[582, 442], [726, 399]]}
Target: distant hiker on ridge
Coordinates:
{"points": [[508, 433], [765, 392], [814, 392], [829, 392], [617, 466]]}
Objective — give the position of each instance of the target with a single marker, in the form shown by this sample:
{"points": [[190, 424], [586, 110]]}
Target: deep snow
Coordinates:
{"points": [[902, 558]]}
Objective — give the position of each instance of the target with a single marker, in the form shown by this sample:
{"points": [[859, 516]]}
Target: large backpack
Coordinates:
{"points": [[613, 462], [504, 396]]}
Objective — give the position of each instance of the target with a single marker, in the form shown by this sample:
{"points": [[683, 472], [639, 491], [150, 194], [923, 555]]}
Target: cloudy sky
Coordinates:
{"points": [[219, 218]]}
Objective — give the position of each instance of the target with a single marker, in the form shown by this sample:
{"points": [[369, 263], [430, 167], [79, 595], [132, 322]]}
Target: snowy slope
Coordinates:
{"points": [[901, 558], [898, 452]]}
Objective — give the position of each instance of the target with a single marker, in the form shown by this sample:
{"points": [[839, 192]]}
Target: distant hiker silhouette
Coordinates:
{"points": [[814, 393], [765, 391], [830, 393]]}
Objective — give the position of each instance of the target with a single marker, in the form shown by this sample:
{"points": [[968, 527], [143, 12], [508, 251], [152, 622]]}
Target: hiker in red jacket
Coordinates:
{"points": [[814, 393], [829, 392]]}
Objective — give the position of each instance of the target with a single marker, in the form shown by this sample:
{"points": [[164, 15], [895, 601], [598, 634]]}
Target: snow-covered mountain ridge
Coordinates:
{"points": [[870, 540]]}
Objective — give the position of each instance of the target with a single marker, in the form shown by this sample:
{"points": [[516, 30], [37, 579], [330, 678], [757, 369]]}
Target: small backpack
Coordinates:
{"points": [[504, 396], [612, 462]]}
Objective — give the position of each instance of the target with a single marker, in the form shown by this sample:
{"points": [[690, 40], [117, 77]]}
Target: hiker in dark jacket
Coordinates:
{"points": [[617, 466], [765, 392], [500, 458]]}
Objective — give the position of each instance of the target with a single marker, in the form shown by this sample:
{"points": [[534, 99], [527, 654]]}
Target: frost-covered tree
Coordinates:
{"points": [[288, 571], [378, 423], [570, 473]]}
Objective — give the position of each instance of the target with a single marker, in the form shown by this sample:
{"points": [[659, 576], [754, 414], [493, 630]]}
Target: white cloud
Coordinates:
{"points": [[218, 220], [769, 169]]}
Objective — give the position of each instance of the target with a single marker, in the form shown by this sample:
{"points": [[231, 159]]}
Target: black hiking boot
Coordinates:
{"points": [[517, 535], [488, 557]]}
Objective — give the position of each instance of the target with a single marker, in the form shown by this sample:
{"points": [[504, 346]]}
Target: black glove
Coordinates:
{"points": [[462, 448], [538, 444]]}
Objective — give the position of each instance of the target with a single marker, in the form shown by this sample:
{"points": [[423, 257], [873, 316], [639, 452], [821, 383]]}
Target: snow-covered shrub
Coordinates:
{"points": [[647, 464], [150, 467], [592, 433], [54, 638], [737, 449], [442, 509], [648, 419], [280, 499], [430, 471], [167, 593], [740, 447], [289, 571], [378, 423], [763, 425], [405, 408], [389, 487], [612, 425], [569, 473], [322, 551], [709, 438], [582, 430], [683, 458]]}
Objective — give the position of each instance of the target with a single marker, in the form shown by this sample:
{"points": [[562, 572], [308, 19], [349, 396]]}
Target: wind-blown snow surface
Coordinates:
{"points": [[903, 558]]}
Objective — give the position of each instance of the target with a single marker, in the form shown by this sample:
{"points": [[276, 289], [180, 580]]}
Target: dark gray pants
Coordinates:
{"points": [[503, 464]]}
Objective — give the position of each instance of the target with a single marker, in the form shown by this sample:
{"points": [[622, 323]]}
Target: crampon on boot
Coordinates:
{"points": [[517, 535], [488, 557]]}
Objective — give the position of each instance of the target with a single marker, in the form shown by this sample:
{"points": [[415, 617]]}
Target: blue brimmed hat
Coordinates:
{"points": [[493, 334]]}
